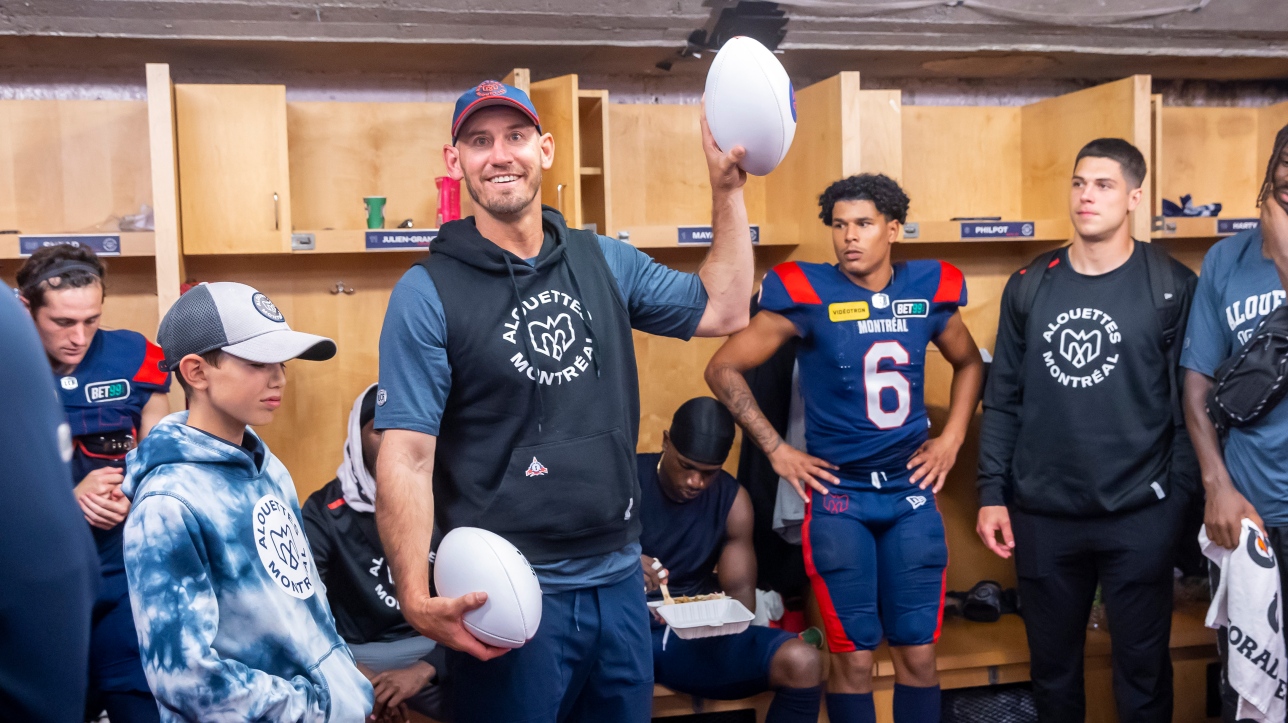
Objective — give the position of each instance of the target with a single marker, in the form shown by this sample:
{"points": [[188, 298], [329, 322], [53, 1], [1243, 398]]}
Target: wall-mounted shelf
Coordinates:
{"points": [[140, 243], [665, 236], [1202, 227], [951, 232]]}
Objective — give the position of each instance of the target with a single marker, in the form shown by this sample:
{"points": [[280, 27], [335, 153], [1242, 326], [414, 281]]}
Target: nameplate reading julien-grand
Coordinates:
{"points": [[100, 244], [997, 229], [702, 235], [396, 239]]}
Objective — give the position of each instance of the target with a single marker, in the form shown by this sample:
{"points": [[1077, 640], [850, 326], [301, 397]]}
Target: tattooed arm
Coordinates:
{"points": [[745, 350]]}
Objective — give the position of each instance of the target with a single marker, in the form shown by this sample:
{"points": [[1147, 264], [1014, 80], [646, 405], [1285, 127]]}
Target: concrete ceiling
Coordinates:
{"points": [[1222, 39]]}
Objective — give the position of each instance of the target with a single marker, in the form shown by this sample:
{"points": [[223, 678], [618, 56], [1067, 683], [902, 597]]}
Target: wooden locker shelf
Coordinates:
{"points": [[137, 243], [652, 237], [938, 232]]}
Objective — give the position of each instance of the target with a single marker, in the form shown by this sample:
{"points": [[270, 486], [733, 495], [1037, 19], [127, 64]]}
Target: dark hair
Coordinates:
{"points": [[42, 273], [880, 189], [1128, 156], [1267, 185], [211, 357]]}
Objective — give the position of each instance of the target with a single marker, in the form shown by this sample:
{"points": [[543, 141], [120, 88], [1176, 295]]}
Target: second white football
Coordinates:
{"points": [[750, 102], [471, 559]]}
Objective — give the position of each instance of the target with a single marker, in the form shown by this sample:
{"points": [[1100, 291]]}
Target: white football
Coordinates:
{"points": [[750, 103], [469, 560]]}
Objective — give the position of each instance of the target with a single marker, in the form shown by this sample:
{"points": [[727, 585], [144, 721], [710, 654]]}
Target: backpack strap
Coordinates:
{"points": [[1030, 279], [1167, 305]]}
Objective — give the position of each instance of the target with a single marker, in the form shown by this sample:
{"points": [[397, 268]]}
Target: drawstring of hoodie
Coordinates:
{"points": [[590, 325], [527, 344]]}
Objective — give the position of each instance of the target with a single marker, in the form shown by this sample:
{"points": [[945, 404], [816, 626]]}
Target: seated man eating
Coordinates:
{"points": [[696, 538], [340, 522]]}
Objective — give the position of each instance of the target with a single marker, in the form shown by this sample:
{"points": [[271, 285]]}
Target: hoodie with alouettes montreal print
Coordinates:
{"points": [[232, 619]]}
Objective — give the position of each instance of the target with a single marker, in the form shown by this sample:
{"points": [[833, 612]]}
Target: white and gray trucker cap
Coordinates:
{"points": [[239, 320]]}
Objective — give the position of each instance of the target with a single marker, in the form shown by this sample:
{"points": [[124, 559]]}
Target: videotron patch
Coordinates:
{"points": [[103, 392], [906, 308], [848, 311]]}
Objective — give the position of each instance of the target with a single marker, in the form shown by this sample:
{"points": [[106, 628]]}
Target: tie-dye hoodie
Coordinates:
{"points": [[232, 618]]}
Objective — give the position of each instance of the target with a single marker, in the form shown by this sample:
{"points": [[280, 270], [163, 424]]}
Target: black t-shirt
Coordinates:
{"points": [[1078, 410], [351, 561], [49, 570]]}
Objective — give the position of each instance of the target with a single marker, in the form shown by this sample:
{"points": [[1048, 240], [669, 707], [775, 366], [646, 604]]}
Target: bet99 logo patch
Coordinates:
{"points": [[103, 392]]}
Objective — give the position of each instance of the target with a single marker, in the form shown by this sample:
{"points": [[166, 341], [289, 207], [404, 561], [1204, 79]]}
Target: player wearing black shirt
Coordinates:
{"points": [[1084, 465]]}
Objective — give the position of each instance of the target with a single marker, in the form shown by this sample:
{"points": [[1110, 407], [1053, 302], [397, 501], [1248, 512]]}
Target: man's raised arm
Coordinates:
{"points": [[726, 272], [405, 520]]}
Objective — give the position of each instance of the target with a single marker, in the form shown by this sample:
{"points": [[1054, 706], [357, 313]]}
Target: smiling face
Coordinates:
{"points": [[861, 236], [1100, 198], [1279, 179], [500, 155], [246, 392], [681, 478], [67, 322]]}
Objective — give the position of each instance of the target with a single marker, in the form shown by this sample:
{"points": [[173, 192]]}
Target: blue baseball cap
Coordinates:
{"points": [[490, 93]]}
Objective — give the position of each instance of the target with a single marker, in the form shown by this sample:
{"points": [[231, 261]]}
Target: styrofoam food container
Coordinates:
{"points": [[705, 619]]}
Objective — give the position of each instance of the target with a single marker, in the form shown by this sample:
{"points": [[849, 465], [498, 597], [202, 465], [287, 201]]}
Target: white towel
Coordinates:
{"points": [[1247, 602]]}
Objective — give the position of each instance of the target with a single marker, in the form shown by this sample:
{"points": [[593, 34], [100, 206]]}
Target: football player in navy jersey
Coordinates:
{"points": [[113, 393], [873, 537]]}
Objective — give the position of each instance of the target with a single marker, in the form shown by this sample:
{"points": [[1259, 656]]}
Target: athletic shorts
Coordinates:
{"points": [[877, 560], [726, 667]]}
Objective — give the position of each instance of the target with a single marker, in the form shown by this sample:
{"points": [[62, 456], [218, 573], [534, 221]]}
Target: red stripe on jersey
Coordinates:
{"points": [[149, 372], [1054, 261], [837, 642], [951, 283], [340, 502], [797, 284], [943, 583]]}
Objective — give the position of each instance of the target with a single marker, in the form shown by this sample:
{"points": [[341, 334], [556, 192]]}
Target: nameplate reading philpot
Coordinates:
{"points": [[100, 244], [997, 229], [403, 238], [1235, 225], [702, 235]]}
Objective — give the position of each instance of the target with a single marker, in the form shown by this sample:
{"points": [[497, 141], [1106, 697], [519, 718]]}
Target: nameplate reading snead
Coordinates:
{"points": [[402, 238], [100, 244], [1235, 225], [701, 235], [997, 229]]}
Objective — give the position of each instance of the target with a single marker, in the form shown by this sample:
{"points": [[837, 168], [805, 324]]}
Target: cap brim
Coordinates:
{"points": [[490, 102], [283, 345]]}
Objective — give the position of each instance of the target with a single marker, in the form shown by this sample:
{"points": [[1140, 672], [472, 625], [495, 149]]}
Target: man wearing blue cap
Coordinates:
{"points": [[507, 376]]}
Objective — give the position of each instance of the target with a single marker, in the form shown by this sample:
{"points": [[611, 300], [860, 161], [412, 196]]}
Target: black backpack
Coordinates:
{"points": [[1250, 383], [1162, 289]]}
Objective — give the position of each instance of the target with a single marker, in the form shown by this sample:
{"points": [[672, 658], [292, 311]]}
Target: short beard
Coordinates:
{"points": [[509, 206]]}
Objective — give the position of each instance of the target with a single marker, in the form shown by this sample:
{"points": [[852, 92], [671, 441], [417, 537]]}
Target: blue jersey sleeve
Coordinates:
{"points": [[660, 300], [1206, 343], [781, 292], [415, 376]]}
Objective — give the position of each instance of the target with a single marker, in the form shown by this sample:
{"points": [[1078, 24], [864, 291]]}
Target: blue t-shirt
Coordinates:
{"points": [[862, 357], [415, 377], [1238, 286]]}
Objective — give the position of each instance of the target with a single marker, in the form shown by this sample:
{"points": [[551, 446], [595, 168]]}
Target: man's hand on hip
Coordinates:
{"points": [[442, 619]]}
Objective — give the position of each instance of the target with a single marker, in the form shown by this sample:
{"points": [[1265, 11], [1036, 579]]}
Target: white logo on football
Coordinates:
{"points": [[880, 301], [552, 337], [282, 547], [916, 501], [69, 383], [1080, 347]]}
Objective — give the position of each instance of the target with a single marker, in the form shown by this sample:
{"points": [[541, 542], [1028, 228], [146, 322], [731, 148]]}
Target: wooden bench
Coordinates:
{"points": [[980, 654]]}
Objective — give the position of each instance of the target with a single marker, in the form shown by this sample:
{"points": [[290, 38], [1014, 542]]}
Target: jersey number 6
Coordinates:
{"points": [[875, 381]]}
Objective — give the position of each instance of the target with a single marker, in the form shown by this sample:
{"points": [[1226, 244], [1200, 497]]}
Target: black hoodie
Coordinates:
{"points": [[537, 441]]}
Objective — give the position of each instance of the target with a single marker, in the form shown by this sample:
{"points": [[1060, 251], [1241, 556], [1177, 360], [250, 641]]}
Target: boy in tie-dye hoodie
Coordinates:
{"points": [[232, 620]]}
